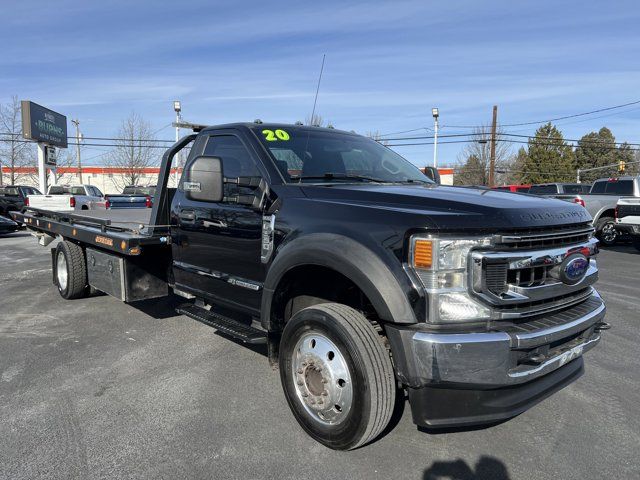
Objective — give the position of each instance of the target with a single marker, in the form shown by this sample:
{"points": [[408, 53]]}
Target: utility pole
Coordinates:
{"points": [[76, 122], [436, 114], [177, 107], [492, 158]]}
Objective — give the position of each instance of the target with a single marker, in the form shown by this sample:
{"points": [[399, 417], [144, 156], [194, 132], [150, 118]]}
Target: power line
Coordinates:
{"points": [[406, 131], [636, 102], [112, 139], [531, 137]]}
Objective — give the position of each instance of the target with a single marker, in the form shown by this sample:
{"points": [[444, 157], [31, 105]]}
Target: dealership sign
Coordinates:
{"points": [[43, 125]]}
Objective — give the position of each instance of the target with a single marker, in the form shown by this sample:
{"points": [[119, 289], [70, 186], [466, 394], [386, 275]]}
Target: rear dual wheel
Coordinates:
{"points": [[337, 375], [71, 270]]}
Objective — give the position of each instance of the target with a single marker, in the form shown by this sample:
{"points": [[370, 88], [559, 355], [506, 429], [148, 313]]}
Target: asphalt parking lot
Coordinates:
{"points": [[99, 389]]}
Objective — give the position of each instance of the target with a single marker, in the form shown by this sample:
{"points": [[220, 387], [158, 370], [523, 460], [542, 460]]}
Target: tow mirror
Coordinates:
{"points": [[204, 180], [432, 173]]}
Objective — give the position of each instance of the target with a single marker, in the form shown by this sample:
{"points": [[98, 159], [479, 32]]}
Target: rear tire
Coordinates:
{"points": [[337, 375], [606, 231], [71, 270]]}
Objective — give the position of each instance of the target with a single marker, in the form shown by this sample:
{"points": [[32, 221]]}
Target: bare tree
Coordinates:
{"points": [[476, 157], [375, 135], [134, 152], [316, 120], [15, 152]]}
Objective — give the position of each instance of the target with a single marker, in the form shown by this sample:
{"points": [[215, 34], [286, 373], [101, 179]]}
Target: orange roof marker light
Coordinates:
{"points": [[423, 254]]}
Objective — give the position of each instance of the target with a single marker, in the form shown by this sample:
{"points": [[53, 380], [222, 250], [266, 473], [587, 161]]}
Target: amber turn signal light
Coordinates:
{"points": [[423, 254]]}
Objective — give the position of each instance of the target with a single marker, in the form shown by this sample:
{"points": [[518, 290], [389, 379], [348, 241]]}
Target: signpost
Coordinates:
{"points": [[49, 129]]}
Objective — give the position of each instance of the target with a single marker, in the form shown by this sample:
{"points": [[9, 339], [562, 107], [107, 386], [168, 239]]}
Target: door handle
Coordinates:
{"points": [[187, 215]]}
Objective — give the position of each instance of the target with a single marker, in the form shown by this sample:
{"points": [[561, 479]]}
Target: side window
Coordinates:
{"points": [[77, 191], [236, 160], [598, 187], [621, 187]]}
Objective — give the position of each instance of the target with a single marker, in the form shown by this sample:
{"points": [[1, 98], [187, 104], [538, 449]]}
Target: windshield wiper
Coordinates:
{"points": [[337, 176], [414, 180]]}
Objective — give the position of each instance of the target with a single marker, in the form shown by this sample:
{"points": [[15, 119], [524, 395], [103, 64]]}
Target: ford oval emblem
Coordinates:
{"points": [[574, 268]]}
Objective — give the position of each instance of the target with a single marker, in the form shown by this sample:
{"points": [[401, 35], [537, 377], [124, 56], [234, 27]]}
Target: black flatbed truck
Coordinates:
{"points": [[363, 277]]}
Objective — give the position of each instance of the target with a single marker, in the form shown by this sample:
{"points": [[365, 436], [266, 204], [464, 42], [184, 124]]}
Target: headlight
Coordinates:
{"points": [[441, 265]]}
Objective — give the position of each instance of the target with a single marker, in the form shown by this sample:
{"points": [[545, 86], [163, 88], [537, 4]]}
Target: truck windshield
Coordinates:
{"points": [[304, 155]]}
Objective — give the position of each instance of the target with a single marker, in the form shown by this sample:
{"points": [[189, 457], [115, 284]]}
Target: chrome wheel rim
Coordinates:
{"points": [[61, 271], [322, 379], [609, 233]]}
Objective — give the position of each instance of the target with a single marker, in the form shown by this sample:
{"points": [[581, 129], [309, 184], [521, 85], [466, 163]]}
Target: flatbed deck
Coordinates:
{"points": [[125, 217], [122, 231]]}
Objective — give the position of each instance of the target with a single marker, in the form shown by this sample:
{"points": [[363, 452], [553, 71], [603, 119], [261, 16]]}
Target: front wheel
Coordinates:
{"points": [[606, 231], [636, 243], [71, 270], [336, 375]]}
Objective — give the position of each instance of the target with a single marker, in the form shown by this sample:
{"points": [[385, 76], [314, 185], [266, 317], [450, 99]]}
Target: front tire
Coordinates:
{"points": [[636, 243], [606, 231], [71, 270], [337, 375]]}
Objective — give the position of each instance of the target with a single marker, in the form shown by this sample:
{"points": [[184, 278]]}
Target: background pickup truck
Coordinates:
{"points": [[559, 188], [628, 219], [366, 281], [601, 203], [132, 197], [13, 197], [64, 198]]}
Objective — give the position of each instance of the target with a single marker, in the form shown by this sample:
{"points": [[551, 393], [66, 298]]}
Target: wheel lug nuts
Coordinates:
{"points": [[320, 402], [312, 402], [304, 394], [304, 364], [324, 380], [300, 372], [300, 382], [325, 393]]}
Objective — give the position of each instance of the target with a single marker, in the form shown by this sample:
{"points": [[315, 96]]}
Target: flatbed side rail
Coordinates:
{"points": [[89, 231]]}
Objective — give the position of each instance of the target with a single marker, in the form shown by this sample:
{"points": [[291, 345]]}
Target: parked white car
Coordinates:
{"points": [[65, 198]]}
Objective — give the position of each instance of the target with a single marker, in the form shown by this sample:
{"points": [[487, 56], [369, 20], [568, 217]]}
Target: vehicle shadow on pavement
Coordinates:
{"points": [[14, 235], [160, 308], [485, 468], [622, 248]]}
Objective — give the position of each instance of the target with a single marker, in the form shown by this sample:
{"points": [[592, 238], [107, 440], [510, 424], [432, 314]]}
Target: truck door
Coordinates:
{"points": [[216, 252]]}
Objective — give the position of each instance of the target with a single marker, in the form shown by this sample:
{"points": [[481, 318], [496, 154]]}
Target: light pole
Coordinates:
{"points": [[436, 114], [177, 107], [76, 122]]}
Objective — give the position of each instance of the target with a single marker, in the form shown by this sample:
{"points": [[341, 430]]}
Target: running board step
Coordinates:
{"points": [[229, 326]]}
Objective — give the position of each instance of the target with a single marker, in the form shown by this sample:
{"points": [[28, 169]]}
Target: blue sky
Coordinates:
{"points": [[387, 63]]}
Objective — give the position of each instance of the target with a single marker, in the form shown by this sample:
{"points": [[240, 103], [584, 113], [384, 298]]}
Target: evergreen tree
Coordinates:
{"points": [[548, 158], [597, 149], [473, 172], [626, 154]]}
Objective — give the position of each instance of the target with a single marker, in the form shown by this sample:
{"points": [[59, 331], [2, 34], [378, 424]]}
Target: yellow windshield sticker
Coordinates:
{"points": [[271, 136]]}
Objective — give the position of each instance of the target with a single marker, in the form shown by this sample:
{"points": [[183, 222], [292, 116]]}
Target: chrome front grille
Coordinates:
{"points": [[518, 280]]}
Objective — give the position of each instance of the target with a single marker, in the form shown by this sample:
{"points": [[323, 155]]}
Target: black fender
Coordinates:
{"points": [[349, 258]]}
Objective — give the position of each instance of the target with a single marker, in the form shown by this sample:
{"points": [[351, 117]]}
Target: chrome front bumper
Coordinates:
{"points": [[503, 357]]}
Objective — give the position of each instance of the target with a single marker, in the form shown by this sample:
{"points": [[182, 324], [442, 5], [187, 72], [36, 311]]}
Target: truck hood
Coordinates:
{"points": [[454, 208]]}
